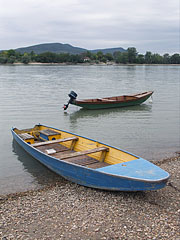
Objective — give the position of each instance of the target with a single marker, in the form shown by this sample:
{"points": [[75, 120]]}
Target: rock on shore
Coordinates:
{"points": [[69, 211]]}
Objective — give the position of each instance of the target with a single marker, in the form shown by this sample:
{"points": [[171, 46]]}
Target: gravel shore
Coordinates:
{"points": [[65, 210]]}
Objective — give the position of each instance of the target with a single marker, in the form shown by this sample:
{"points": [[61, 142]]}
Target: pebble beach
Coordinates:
{"points": [[64, 210]]}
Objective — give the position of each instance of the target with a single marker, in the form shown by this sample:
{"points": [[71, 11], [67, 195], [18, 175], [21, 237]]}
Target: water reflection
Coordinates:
{"points": [[41, 175], [84, 113]]}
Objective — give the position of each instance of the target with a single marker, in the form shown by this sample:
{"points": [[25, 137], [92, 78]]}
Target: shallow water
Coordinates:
{"points": [[36, 94]]}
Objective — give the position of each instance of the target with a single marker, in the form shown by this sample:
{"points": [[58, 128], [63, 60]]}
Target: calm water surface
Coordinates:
{"points": [[35, 94]]}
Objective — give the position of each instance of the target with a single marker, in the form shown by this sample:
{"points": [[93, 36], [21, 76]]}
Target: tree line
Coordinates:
{"points": [[131, 56]]}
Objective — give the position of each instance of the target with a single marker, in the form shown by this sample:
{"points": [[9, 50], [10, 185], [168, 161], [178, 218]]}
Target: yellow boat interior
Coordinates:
{"points": [[73, 148]]}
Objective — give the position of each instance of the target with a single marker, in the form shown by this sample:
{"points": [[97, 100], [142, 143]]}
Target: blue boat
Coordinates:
{"points": [[88, 162]]}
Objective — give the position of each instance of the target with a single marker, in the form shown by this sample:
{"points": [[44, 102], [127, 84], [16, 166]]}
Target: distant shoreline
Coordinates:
{"points": [[88, 64]]}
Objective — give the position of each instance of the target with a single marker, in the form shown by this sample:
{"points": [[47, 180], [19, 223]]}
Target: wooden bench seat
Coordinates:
{"points": [[26, 136], [55, 141], [49, 132], [104, 150]]}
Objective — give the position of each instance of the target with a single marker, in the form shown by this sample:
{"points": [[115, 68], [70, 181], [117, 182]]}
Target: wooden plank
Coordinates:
{"points": [[58, 147], [103, 155], [26, 136], [54, 141], [76, 154], [81, 160], [49, 132], [97, 165]]}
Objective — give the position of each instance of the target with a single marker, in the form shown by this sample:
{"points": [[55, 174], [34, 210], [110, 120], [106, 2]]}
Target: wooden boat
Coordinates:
{"points": [[88, 162], [108, 102]]}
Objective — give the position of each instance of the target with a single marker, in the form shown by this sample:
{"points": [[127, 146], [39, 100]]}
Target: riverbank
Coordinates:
{"points": [[65, 210], [87, 64]]}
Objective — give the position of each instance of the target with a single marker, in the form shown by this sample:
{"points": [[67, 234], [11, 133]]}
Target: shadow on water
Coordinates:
{"points": [[41, 175], [85, 113]]}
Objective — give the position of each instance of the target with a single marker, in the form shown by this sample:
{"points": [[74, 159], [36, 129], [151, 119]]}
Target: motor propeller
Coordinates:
{"points": [[66, 106]]}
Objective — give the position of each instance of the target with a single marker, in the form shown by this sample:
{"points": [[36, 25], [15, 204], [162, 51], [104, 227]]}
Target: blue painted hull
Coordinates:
{"points": [[107, 178]]}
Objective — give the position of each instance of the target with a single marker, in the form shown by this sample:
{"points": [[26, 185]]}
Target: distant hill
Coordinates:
{"points": [[109, 50], [51, 47], [63, 48]]}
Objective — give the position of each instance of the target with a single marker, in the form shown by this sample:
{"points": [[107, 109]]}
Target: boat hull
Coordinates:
{"points": [[105, 105], [100, 178]]}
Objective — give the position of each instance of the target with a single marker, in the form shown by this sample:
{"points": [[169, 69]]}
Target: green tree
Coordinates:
{"points": [[156, 58], [117, 57], [104, 59], [132, 54], [100, 56], [3, 60], [11, 52], [32, 56], [47, 57], [121, 57], [18, 56], [166, 58], [175, 58], [109, 56], [25, 58], [11, 59], [76, 58], [148, 57], [64, 57], [140, 59], [125, 57], [88, 54]]}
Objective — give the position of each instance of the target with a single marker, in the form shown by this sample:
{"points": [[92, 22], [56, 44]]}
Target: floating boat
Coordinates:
{"points": [[108, 102], [88, 162]]}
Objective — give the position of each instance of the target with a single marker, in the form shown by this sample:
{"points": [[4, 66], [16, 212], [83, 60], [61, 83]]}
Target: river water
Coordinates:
{"points": [[35, 94]]}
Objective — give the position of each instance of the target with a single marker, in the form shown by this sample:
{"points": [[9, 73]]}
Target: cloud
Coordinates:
{"points": [[147, 25]]}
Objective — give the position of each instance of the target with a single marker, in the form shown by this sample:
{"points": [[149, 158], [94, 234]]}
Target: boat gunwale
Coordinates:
{"points": [[90, 169], [113, 101]]}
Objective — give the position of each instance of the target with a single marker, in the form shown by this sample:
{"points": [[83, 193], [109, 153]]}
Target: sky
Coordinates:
{"points": [[147, 25]]}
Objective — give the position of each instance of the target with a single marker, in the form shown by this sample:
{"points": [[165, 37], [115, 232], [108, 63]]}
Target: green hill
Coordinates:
{"points": [[63, 48], [51, 47]]}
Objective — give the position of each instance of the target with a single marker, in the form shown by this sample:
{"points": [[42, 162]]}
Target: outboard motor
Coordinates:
{"points": [[73, 97]]}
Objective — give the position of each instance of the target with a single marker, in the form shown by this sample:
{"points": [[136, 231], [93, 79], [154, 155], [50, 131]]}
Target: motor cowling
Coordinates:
{"points": [[72, 96]]}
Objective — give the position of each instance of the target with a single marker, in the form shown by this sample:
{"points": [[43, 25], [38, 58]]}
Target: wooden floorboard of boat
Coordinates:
{"points": [[97, 165], [79, 160], [85, 161], [55, 146]]}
